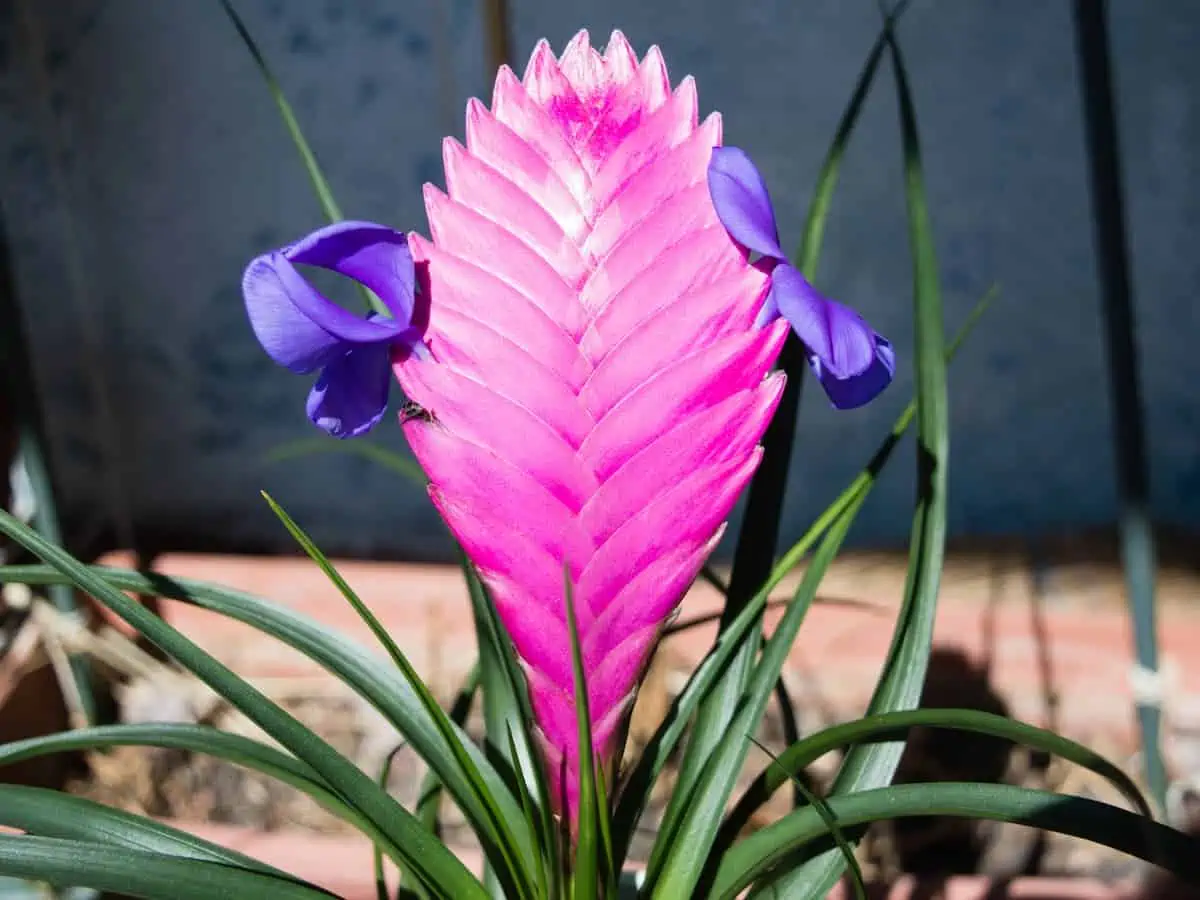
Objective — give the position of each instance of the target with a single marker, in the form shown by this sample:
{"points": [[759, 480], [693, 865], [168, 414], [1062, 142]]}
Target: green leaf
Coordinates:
{"points": [[389, 459], [822, 808], [365, 673], [760, 530], [506, 709], [683, 855], [141, 873], [49, 813], [385, 774], [754, 856], [394, 826], [894, 726], [311, 166], [789, 726], [495, 816], [233, 748], [903, 674], [430, 795], [547, 883], [585, 880]]}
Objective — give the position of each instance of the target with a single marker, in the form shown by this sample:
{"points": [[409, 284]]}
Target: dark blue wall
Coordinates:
{"points": [[142, 163]]}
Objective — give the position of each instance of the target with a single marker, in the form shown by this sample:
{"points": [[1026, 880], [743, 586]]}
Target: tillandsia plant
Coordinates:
{"points": [[593, 349], [586, 344]]}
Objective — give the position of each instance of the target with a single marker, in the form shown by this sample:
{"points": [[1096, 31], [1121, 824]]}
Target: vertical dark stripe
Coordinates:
{"points": [[1112, 256], [497, 33]]}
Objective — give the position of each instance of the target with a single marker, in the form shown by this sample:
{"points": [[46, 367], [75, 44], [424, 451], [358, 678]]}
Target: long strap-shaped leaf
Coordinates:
{"points": [[505, 701], [140, 873], [903, 674], [895, 726], [760, 529], [506, 714], [687, 847], [396, 828], [50, 813], [378, 683], [496, 816], [754, 856], [365, 673], [232, 748]]}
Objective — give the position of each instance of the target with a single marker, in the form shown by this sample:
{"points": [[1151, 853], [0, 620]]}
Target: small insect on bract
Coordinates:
{"points": [[410, 411]]}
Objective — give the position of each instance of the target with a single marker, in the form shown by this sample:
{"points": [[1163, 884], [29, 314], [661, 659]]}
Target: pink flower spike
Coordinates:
{"points": [[597, 378]]}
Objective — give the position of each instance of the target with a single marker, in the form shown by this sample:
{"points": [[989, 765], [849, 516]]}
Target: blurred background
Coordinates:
{"points": [[143, 163]]}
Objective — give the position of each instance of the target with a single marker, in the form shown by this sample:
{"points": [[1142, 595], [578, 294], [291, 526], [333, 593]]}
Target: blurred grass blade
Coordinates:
{"points": [[324, 194], [19, 389], [311, 166], [894, 726], [393, 825], [389, 459], [756, 855], [585, 874], [683, 859], [662, 744], [759, 537], [495, 817], [903, 674], [140, 873]]}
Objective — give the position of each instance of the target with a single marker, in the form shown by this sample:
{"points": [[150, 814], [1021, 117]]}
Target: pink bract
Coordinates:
{"points": [[598, 382]]}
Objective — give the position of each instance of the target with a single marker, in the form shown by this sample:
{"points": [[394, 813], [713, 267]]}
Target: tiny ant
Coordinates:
{"points": [[410, 411]]}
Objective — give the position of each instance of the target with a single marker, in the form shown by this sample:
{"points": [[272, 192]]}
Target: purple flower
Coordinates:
{"points": [[304, 331], [852, 362]]}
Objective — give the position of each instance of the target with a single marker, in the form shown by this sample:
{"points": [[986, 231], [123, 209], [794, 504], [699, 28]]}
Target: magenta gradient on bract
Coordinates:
{"points": [[598, 383]]}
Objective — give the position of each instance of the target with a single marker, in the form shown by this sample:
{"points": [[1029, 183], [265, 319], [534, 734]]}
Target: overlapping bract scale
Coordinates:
{"points": [[598, 383]]}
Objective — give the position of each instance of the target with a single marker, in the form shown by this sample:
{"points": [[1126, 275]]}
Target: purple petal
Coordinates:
{"points": [[770, 308], [860, 389], [742, 202], [373, 255], [351, 393], [852, 362], [300, 328]]}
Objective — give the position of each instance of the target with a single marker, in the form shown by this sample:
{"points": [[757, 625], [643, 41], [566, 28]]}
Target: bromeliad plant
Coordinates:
{"points": [[592, 349], [586, 343]]}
